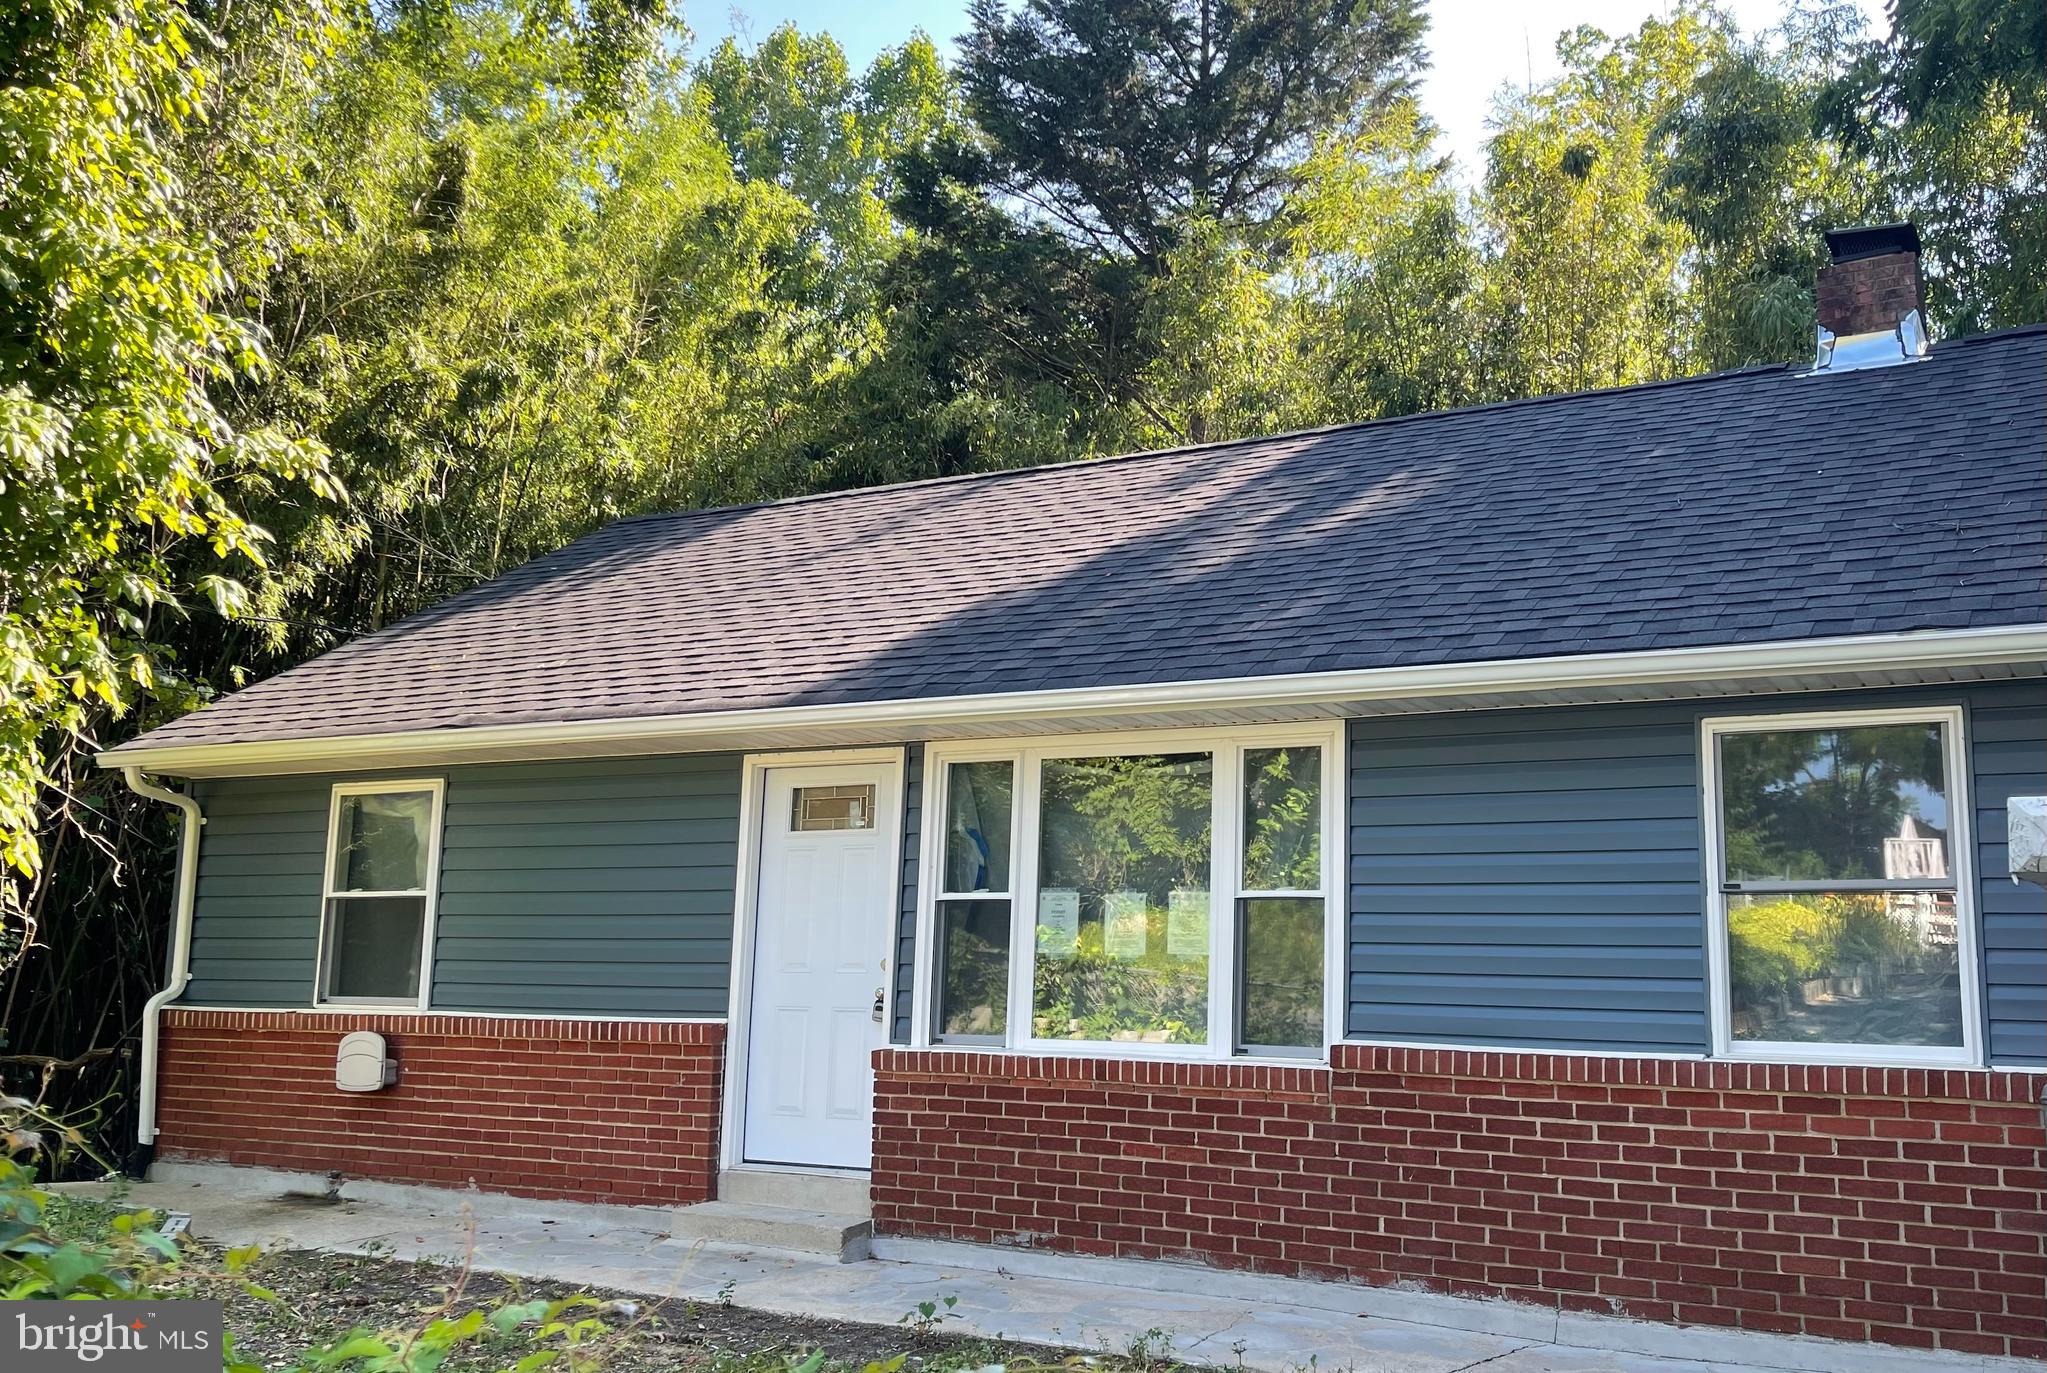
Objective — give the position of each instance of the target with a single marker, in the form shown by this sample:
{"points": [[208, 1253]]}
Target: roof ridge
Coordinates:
{"points": [[1184, 450]]}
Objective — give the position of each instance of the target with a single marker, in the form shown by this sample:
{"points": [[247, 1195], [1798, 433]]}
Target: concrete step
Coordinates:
{"points": [[832, 1234], [843, 1193]]}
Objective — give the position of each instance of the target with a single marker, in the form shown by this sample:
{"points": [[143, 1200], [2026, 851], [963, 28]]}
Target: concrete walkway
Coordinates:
{"points": [[1272, 1325]]}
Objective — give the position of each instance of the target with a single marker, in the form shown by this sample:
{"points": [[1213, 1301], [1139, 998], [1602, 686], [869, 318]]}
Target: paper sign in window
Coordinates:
{"points": [[1187, 924], [1058, 922], [1123, 924]]}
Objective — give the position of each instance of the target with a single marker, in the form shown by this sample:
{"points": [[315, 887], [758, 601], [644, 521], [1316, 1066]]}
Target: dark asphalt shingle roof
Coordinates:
{"points": [[1757, 505]]}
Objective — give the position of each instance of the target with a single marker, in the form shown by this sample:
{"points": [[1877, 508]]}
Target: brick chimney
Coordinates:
{"points": [[1871, 297]]}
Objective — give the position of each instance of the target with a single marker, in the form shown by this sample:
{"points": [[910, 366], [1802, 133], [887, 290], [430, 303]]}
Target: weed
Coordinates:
{"points": [[82, 1219], [926, 1316], [1152, 1350]]}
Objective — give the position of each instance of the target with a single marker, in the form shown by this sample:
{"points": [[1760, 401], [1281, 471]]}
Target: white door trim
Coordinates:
{"points": [[745, 918]]}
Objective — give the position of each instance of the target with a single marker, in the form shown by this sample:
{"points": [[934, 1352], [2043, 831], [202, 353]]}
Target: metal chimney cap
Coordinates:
{"points": [[1872, 240]]}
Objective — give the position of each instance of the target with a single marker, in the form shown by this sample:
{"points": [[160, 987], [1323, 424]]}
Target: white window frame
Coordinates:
{"points": [[1962, 861], [1227, 747], [342, 790]]}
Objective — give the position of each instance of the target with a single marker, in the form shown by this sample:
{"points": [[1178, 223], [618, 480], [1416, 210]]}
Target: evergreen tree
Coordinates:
{"points": [[1118, 120]]}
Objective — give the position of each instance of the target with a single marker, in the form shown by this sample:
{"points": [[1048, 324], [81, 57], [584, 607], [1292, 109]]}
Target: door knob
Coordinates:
{"points": [[880, 996]]}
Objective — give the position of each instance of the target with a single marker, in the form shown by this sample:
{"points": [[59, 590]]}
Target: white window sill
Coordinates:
{"points": [[1122, 1053], [1790, 1055], [1847, 1056]]}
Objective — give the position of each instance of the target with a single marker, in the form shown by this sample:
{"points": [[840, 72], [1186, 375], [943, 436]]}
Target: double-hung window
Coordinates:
{"points": [[1843, 920], [1168, 894], [383, 861]]}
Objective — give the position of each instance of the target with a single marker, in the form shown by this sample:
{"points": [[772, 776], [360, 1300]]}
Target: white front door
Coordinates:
{"points": [[824, 927]]}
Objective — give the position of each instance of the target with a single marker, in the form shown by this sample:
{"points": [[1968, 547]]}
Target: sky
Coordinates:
{"points": [[1476, 46]]}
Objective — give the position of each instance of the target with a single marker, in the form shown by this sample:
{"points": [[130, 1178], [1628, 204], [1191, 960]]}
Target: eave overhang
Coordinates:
{"points": [[1858, 662]]}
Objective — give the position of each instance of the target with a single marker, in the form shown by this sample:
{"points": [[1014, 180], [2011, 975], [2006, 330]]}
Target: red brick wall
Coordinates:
{"points": [[1864, 1204], [590, 1111], [1870, 294]]}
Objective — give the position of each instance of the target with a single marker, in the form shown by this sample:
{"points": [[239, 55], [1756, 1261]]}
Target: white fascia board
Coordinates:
{"points": [[1918, 650]]}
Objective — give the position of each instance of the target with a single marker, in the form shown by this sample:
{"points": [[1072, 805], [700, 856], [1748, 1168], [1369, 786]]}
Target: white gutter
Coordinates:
{"points": [[181, 940], [1870, 653]]}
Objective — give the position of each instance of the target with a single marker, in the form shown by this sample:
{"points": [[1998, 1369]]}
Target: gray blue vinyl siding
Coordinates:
{"points": [[1535, 879], [256, 919], [590, 888], [906, 906], [1530, 879], [2008, 757]]}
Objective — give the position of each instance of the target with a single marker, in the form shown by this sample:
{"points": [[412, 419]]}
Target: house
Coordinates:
{"points": [[1501, 850]]}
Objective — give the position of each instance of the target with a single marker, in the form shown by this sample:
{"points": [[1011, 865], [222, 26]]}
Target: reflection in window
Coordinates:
{"points": [[977, 814], [1131, 928], [974, 905], [1845, 968], [1283, 819], [833, 808], [1835, 803], [1281, 973], [376, 906], [1841, 902], [973, 962], [1279, 939], [384, 837], [1124, 903]]}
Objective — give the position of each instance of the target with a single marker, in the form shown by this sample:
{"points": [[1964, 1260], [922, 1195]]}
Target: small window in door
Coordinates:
{"points": [[833, 808]]}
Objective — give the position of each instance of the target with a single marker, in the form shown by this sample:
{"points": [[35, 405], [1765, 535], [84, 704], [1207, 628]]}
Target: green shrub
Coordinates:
{"points": [[44, 1249], [1093, 995], [1865, 932], [1773, 946]]}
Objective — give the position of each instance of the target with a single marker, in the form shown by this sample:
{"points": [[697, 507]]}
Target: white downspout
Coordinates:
{"points": [[181, 940]]}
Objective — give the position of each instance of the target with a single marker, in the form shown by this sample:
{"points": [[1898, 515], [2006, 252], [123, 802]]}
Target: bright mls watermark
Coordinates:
{"points": [[110, 1336]]}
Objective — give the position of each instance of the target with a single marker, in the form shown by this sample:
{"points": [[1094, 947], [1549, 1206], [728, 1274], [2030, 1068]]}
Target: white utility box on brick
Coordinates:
{"points": [[363, 1064]]}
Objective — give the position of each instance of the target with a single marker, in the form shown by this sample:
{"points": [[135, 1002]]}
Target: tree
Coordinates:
{"points": [[1961, 52], [1006, 343], [1389, 268], [117, 332], [132, 486], [510, 281], [1119, 122], [791, 114], [1586, 276], [1046, 303], [1952, 110], [1755, 185], [542, 304], [1225, 360]]}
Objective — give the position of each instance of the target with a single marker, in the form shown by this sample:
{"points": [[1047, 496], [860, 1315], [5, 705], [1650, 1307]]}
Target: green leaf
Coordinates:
{"points": [[69, 1266], [359, 1344], [506, 1319]]}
